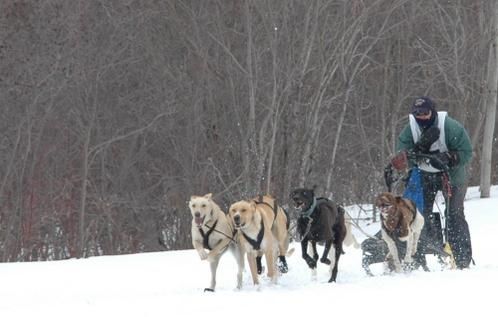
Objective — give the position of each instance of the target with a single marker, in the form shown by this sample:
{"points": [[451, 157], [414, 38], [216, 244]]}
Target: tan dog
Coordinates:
{"points": [[402, 221], [212, 230], [262, 229]]}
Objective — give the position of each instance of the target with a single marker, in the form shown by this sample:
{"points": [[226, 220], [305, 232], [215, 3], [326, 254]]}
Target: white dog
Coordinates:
{"points": [[212, 231]]}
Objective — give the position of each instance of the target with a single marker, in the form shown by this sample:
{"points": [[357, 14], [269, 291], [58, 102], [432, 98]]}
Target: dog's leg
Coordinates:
{"points": [[416, 237], [338, 251], [281, 235], [313, 249], [283, 246], [412, 241], [259, 265], [417, 259], [393, 251], [251, 259], [200, 249], [239, 258], [418, 224], [326, 250], [271, 264], [332, 256], [332, 259], [304, 251], [409, 248], [408, 259], [213, 264], [419, 250], [282, 264]]}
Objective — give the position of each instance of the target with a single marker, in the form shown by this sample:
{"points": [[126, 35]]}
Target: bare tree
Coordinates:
{"points": [[490, 99], [114, 113]]}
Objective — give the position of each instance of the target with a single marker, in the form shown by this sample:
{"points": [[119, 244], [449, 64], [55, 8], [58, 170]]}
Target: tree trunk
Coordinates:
{"points": [[490, 105]]}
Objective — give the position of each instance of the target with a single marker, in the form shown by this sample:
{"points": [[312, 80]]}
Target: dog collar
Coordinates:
{"points": [[308, 212]]}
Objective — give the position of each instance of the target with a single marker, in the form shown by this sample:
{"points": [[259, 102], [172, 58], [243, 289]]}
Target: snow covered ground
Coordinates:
{"points": [[171, 284]]}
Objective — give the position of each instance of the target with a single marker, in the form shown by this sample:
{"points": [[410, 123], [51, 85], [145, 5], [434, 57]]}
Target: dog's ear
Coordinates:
{"points": [[384, 198], [208, 196], [296, 192], [376, 201], [310, 193]]}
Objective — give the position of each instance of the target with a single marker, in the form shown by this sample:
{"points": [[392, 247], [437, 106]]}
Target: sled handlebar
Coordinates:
{"points": [[430, 159]]}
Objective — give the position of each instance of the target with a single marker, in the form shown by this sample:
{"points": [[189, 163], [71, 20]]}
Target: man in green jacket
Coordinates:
{"points": [[434, 134]]}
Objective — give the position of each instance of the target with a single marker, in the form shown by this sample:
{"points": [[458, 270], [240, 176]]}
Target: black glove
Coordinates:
{"points": [[439, 161], [427, 137], [443, 161]]}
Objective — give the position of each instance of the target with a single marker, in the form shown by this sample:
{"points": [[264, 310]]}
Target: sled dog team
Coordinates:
{"points": [[257, 227]]}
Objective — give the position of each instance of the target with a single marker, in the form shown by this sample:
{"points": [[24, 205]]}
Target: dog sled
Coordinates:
{"points": [[433, 237]]}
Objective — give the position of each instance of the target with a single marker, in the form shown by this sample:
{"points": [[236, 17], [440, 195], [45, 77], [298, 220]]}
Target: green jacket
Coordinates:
{"points": [[457, 140]]}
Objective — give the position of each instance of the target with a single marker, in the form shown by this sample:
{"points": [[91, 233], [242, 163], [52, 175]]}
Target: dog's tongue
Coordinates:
{"points": [[299, 206], [199, 220]]}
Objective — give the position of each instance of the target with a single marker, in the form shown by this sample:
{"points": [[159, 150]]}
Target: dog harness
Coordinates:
{"points": [[307, 213], [205, 236], [256, 244], [274, 208]]}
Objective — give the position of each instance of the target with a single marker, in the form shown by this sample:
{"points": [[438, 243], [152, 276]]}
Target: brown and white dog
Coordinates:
{"points": [[400, 221], [262, 230], [212, 230]]}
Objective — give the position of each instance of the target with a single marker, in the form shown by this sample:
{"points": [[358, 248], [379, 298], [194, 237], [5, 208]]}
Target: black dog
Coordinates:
{"points": [[320, 220]]}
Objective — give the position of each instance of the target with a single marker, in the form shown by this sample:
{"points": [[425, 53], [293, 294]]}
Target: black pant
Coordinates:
{"points": [[458, 235]]}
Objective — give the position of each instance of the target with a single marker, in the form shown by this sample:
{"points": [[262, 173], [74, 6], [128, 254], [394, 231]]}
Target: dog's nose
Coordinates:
{"points": [[236, 219], [197, 214]]}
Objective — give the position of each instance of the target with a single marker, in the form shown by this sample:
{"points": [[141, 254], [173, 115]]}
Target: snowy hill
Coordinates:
{"points": [[171, 284]]}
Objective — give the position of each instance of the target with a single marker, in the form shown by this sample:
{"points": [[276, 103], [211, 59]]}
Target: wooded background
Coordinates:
{"points": [[115, 112]]}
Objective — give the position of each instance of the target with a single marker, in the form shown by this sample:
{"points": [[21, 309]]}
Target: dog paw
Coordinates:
{"points": [[408, 267], [261, 270], [282, 265], [203, 254], [325, 261], [311, 262], [283, 268]]}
